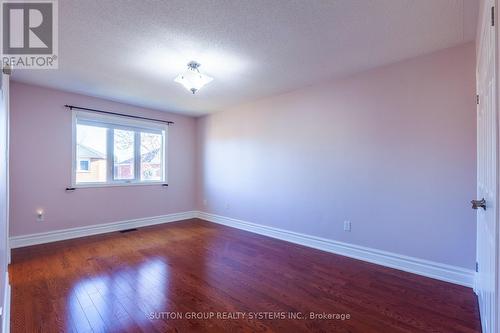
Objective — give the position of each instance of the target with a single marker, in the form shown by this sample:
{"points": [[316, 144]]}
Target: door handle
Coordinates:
{"points": [[476, 204]]}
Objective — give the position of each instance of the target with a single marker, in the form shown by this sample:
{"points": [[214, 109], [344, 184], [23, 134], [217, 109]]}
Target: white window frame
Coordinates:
{"points": [[119, 122]]}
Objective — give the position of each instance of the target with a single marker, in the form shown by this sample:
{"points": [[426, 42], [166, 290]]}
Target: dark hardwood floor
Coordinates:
{"points": [[157, 278]]}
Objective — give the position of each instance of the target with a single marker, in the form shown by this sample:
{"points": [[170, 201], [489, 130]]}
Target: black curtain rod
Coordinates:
{"points": [[71, 107]]}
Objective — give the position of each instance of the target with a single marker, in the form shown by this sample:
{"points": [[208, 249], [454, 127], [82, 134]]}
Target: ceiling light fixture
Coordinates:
{"points": [[192, 79]]}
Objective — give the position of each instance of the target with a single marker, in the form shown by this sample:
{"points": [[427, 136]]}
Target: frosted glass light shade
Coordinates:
{"points": [[192, 79]]}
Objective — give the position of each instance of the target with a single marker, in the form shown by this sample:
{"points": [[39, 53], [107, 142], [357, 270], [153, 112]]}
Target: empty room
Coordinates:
{"points": [[249, 166]]}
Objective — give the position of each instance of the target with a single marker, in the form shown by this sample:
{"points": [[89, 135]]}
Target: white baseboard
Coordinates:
{"points": [[6, 306], [448, 273], [58, 235]]}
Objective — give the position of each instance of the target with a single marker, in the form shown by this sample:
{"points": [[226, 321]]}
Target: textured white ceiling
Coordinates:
{"points": [[130, 51]]}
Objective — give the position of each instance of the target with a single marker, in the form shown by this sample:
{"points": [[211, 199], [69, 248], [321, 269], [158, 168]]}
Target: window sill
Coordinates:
{"points": [[94, 185]]}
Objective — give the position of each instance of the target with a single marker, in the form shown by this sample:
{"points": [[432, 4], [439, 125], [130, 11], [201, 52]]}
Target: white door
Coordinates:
{"points": [[487, 171]]}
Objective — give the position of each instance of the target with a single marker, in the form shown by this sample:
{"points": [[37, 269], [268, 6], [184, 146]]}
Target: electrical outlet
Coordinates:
{"points": [[347, 226]]}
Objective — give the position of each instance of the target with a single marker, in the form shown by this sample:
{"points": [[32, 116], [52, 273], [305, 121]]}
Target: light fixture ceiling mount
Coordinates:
{"points": [[192, 79]]}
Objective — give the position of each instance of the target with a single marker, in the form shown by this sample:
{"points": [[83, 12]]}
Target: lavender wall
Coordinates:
{"points": [[392, 150], [40, 162]]}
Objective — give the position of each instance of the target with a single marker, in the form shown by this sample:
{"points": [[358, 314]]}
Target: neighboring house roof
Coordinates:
{"points": [[147, 157], [87, 152]]}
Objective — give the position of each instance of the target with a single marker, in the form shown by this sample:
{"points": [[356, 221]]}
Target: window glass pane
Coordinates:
{"points": [[123, 154], [151, 156], [91, 148], [84, 165], [109, 152]]}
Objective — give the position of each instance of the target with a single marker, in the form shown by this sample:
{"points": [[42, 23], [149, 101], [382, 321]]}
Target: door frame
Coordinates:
{"points": [[5, 302], [6, 91], [497, 139]]}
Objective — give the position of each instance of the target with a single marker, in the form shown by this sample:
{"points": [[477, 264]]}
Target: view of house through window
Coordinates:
{"points": [[91, 154], [114, 151]]}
